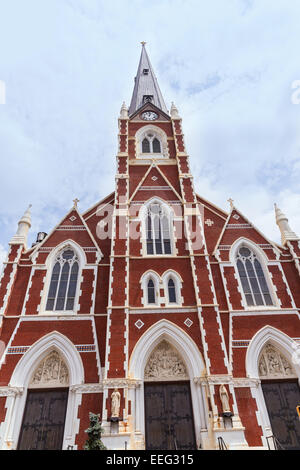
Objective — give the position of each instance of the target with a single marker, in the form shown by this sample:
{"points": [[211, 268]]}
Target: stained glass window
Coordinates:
{"points": [[158, 231], [62, 290], [252, 278], [151, 144], [172, 291], [151, 292]]}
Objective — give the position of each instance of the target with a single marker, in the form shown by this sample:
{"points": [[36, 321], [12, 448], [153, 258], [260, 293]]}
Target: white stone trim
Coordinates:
{"points": [[170, 274], [157, 286], [142, 217], [264, 261], [189, 352], [49, 264], [21, 378], [159, 134], [11, 278], [284, 344]]}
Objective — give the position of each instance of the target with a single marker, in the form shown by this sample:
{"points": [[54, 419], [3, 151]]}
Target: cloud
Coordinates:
{"points": [[69, 64]]}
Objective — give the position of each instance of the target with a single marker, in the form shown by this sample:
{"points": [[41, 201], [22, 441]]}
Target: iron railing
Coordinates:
{"points": [[221, 444], [276, 443]]}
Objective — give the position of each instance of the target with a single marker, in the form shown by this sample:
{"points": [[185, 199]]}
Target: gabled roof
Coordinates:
{"points": [[80, 221], [146, 84], [231, 221]]}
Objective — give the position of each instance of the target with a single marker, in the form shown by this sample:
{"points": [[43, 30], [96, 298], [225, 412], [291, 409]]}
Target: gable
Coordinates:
{"points": [[71, 228], [239, 227], [152, 108]]}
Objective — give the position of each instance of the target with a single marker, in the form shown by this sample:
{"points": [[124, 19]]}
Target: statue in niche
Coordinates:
{"points": [[115, 403], [225, 401]]}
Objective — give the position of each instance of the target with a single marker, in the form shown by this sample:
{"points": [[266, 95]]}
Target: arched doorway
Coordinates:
{"points": [[281, 392], [190, 356], [45, 410], [169, 422]]}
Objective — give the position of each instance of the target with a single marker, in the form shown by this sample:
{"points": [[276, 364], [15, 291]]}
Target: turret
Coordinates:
{"points": [[24, 224], [283, 223]]}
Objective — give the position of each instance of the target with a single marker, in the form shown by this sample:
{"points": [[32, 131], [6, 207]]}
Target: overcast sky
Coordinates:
{"points": [[229, 66]]}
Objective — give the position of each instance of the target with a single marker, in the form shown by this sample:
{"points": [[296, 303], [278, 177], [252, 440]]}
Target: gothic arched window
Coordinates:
{"points": [[63, 283], [146, 145], [151, 144], [151, 292], [252, 278], [158, 230], [172, 291], [156, 147]]}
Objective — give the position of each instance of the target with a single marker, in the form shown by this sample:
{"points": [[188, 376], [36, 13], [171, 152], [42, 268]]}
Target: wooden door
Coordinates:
{"points": [[169, 417], [281, 400], [44, 420]]}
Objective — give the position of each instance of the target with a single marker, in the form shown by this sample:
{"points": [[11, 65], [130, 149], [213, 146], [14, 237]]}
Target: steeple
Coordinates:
{"points": [[283, 223], [146, 86]]}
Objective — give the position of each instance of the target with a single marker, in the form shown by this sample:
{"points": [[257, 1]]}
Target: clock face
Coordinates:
{"points": [[149, 116]]}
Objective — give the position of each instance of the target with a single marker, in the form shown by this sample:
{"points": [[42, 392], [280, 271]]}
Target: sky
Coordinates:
{"points": [[228, 65]]}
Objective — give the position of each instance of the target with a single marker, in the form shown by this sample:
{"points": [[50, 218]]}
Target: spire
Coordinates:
{"points": [[24, 224], [283, 223], [146, 86]]}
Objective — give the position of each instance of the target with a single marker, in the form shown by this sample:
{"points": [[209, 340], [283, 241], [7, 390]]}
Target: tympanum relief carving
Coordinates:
{"points": [[51, 372], [165, 364], [272, 364]]}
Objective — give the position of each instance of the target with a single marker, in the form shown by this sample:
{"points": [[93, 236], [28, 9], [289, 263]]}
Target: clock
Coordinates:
{"points": [[149, 116]]}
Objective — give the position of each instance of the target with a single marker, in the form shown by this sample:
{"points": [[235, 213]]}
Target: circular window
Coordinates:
{"points": [[245, 252]]}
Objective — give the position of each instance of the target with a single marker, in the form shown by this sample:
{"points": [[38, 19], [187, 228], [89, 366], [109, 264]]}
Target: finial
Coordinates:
{"points": [[283, 223], [24, 224], [174, 111], [124, 111], [75, 203], [143, 43], [27, 216]]}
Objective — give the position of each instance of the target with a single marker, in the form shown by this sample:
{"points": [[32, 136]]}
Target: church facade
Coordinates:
{"points": [[176, 322]]}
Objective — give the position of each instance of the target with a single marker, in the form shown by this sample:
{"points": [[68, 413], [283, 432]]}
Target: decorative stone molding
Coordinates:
{"points": [[11, 391], [188, 322], [122, 383], [139, 324], [165, 364], [219, 379], [87, 388], [246, 382], [209, 222], [200, 380]]}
